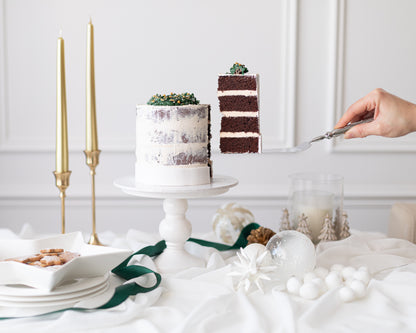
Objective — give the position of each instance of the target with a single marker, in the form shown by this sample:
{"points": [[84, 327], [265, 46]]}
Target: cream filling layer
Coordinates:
{"points": [[240, 114], [239, 135], [221, 93]]}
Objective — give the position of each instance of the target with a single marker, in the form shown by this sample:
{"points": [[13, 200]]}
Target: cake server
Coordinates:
{"points": [[328, 135]]}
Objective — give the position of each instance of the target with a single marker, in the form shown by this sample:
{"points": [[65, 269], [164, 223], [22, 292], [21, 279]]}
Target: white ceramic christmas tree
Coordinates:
{"points": [[303, 226], [345, 227], [285, 222], [328, 231]]}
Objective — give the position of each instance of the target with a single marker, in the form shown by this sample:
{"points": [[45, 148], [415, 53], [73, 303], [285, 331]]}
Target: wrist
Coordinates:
{"points": [[412, 118]]}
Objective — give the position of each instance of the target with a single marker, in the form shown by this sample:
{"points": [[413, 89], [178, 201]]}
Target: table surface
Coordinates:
{"points": [[204, 299]]}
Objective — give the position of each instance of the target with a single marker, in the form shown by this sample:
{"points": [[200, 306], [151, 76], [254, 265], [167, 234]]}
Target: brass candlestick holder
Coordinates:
{"points": [[92, 160], [62, 182]]}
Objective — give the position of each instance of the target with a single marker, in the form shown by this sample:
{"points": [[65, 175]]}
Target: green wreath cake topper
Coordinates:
{"points": [[238, 69], [173, 99]]}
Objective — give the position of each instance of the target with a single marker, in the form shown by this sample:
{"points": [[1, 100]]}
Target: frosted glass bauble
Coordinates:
{"points": [[229, 220], [293, 253]]}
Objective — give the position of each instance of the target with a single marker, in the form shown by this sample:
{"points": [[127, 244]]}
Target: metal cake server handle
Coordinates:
{"points": [[328, 135], [339, 131]]}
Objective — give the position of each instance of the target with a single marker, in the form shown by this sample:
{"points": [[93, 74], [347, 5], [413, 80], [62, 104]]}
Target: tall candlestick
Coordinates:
{"points": [[91, 123], [91, 151], [61, 173], [61, 122]]}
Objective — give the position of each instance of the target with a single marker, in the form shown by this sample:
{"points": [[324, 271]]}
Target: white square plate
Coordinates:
{"points": [[93, 261]]}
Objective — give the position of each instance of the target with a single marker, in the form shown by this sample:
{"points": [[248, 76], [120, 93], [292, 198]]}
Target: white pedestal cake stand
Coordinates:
{"points": [[175, 228]]}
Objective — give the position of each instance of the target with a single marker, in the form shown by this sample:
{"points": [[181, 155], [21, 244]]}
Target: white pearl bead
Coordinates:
{"points": [[308, 277], [337, 267], [333, 280], [348, 272], [362, 275], [321, 272], [346, 294], [363, 268], [293, 285], [309, 291], [358, 287], [320, 284]]}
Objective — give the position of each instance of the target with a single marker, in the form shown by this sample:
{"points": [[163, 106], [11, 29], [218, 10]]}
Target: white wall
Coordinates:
{"points": [[314, 58]]}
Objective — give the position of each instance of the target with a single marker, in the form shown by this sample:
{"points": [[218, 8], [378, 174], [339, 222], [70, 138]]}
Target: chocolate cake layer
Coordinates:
{"points": [[237, 82], [239, 145], [238, 103], [240, 124]]}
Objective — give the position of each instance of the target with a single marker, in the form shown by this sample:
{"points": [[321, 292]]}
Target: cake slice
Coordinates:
{"points": [[238, 95]]}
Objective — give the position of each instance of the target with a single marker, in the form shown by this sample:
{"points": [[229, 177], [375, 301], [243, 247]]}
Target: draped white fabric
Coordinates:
{"points": [[203, 299]]}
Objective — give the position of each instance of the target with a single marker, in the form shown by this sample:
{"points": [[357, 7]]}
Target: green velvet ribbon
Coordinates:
{"points": [[129, 272]]}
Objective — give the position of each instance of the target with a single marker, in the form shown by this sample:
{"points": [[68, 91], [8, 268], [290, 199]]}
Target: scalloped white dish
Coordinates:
{"points": [[93, 261]]}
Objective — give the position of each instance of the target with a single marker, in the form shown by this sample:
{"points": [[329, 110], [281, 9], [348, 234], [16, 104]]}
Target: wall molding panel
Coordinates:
{"points": [[283, 134], [336, 104], [288, 69], [3, 77]]}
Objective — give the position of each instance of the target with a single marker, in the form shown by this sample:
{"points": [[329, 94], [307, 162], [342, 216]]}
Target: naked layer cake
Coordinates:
{"points": [[238, 95], [172, 141]]}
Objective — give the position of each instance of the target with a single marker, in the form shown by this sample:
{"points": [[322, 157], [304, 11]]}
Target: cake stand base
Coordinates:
{"points": [[175, 228]]}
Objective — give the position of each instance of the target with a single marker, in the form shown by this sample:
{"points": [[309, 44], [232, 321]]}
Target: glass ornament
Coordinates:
{"points": [[293, 253]]}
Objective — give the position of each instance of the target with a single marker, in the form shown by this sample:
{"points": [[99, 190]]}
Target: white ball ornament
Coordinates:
{"points": [[293, 253], [337, 268], [363, 268], [320, 284], [293, 285], [358, 287], [309, 290], [346, 294], [333, 280], [309, 276], [348, 272], [321, 272], [362, 275], [255, 250]]}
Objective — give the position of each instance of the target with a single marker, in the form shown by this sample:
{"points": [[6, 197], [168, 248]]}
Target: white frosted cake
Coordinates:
{"points": [[172, 145]]}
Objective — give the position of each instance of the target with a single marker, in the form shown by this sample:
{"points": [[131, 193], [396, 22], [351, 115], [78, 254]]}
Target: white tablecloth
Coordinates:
{"points": [[204, 300]]}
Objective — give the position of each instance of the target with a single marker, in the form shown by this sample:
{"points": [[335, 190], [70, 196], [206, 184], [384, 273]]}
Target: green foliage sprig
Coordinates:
{"points": [[238, 69], [173, 99]]}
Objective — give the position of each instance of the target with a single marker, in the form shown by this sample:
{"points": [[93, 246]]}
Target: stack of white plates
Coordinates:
{"points": [[68, 294], [84, 281], [89, 293]]}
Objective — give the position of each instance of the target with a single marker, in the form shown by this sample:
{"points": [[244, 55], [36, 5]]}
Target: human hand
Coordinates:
{"points": [[393, 116]]}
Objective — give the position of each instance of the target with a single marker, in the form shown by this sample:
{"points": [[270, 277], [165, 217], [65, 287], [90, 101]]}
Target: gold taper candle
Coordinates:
{"points": [[61, 173], [92, 140], [61, 122]]}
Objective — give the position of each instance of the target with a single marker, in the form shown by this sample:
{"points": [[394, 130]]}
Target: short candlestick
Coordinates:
{"points": [[62, 182]]}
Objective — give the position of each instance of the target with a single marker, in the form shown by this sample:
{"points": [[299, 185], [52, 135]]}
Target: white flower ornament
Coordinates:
{"points": [[254, 265]]}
